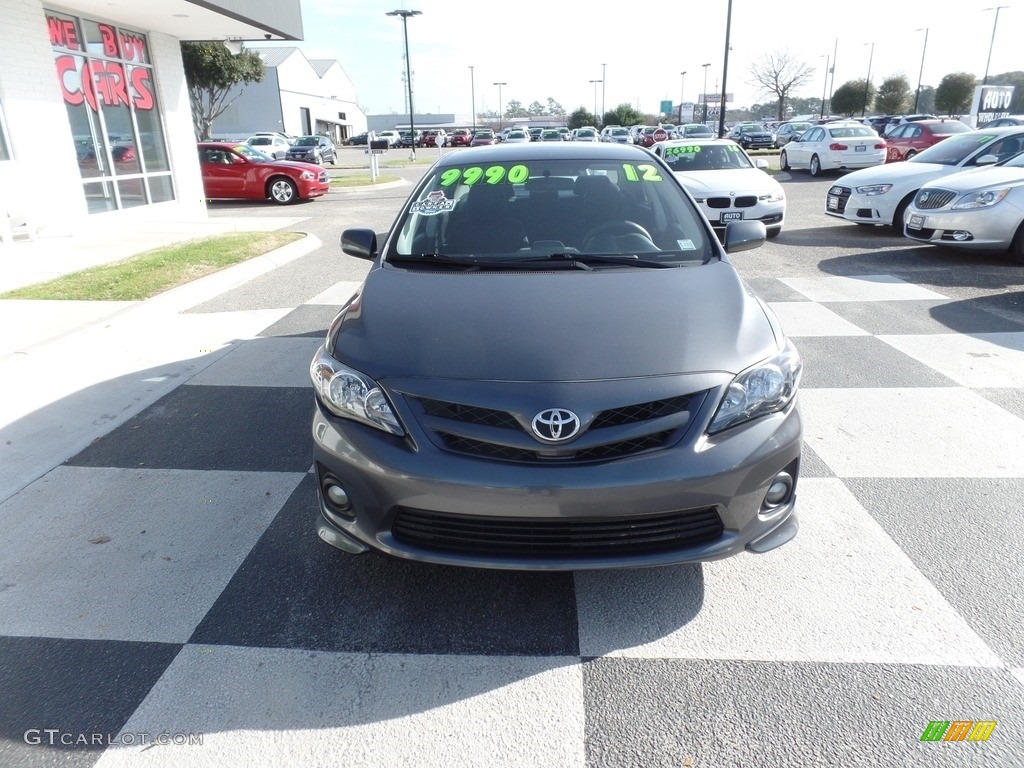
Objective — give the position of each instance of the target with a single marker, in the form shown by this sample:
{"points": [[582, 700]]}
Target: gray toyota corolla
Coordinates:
{"points": [[552, 364]]}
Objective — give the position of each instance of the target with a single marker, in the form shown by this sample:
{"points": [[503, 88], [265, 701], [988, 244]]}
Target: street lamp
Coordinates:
{"points": [[602, 92], [867, 82], [501, 109], [993, 42], [920, 74], [704, 94], [408, 72], [595, 82], [725, 72], [823, 87], [472, 95], [682, 95]]}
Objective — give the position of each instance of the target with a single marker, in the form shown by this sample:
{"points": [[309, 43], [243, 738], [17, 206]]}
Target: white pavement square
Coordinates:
{"points": [[805, 318], [978, 360], [860, 288]]}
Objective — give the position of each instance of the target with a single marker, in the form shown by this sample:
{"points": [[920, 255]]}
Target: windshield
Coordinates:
{"points": [[947, 128], [534, 210], [954, 150], [851, 131], [252, 154], [752, 129], [259, 141], [305, 141], [684, 158]]}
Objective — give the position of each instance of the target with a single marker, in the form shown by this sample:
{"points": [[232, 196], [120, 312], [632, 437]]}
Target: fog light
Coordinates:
{"points": [[961, 236], [779, 491], [337, 496]]}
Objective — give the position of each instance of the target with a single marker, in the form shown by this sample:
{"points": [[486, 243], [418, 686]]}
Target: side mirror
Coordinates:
{"points": [[744, 236], [761, 163], [986, 160], [361, 243]]}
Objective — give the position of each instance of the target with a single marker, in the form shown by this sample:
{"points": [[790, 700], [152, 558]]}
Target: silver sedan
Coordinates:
{"points": [[981, 209]]}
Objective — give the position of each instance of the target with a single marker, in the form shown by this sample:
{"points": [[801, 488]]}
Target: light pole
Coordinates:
{"points": [[501, 108], [472, 95], [920, 74], [995, 23], [408, 72], [595, 82], [867, 82], [602, 92], [725, 72], [682, 95], [832, 80], [823, 87], [704, 93]]}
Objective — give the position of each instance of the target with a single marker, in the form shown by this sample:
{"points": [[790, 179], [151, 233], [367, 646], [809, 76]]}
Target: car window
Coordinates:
{"points": [[685, 158], [530, 209], [956, 149], [949, 127]]}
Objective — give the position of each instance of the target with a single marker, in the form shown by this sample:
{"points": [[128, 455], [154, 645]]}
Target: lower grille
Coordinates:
{"points": [[535, 537], [843, 196]]}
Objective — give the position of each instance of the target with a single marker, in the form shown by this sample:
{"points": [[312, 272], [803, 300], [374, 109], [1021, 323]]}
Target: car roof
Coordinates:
{"points": [[549, 151]]}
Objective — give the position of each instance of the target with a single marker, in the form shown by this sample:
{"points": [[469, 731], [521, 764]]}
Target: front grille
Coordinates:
{"points": [[929, 199], [495, 434], [843, 195], [556, 537], [719, 202], [746, 201]]}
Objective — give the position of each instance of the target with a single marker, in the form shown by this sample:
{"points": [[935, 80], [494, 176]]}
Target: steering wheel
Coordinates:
{"points": [[614, 228]]}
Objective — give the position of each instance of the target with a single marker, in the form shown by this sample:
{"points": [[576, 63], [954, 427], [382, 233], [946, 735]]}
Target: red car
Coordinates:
{"points": [[908, 139], [435, 137], [461, 137], [239, 171], [483, 138]]}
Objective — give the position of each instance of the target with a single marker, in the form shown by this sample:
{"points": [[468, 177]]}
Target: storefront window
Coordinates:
{"points": [[106, 77], [5, 145]]}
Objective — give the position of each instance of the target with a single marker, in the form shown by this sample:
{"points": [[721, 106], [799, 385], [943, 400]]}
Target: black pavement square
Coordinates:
{"points": [[812, 465], [965, 536], [294, 591], [81, 691], [862, 361], [209, 427], [306, 320], [773, 289], [660, 712]]}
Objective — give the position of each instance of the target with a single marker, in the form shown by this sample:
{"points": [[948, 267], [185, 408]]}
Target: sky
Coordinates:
{"points": [[554, 49]]}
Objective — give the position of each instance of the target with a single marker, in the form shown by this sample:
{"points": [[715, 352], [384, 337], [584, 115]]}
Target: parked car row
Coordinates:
{"points": [[316, 149]]}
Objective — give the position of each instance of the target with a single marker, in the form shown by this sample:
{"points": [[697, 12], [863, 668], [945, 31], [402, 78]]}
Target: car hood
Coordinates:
{"points": [[904, 175], [978, 178], [737, 179], [553, 325]]}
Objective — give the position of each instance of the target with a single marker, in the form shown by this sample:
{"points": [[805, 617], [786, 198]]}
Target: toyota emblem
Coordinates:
{"points": [[556, 425]]}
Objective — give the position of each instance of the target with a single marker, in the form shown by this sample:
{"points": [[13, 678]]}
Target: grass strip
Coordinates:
{"points": [[147, 274]]}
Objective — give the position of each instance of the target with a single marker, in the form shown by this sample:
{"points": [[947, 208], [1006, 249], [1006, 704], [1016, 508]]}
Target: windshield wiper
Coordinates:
{"points": [[624, 259], [436, 258]]}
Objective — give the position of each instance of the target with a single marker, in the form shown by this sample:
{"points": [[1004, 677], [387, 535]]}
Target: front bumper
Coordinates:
{"points": [[769, 214], [410, 499], [985, 230], [864, 209]]}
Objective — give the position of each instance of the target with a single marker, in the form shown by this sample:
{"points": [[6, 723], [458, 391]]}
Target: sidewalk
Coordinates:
{"points": [[72, 371]]}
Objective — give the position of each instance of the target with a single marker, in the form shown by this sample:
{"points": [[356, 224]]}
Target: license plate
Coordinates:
{"points": [[861, 148], [833, 203], [915, 222], [733, 216]]}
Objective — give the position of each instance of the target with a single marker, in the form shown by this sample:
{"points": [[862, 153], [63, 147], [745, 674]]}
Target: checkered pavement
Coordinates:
{"points": [[167, 581]]}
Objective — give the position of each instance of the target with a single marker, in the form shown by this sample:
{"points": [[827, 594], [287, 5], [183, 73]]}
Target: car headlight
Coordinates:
{"points": [[348, 393], [773, 197], [764, 388], [874, 189], [307, 176], [980, 199]]}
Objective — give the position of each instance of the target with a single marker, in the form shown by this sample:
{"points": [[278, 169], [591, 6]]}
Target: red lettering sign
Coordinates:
{"points": [[109, 39], [105, 82], [63, 33], [134, 47]]}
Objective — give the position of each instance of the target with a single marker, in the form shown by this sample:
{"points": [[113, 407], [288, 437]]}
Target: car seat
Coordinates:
{"points": [[483, 223]]}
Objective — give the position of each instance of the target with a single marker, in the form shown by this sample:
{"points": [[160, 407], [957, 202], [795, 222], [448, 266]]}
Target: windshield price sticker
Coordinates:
{"points": [[643, 172], [687, 150], [495, 174]]}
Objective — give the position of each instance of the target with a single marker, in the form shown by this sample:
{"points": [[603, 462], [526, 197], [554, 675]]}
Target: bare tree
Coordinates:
{"points": [[779, 74]]}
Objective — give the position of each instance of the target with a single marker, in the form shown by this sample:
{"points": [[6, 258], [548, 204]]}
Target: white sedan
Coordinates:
{"points": [[832, 147], [725, 183], [881, 195]]}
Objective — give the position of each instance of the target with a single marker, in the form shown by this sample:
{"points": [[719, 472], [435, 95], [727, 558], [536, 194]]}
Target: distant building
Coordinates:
{"points": [[297, 96]]}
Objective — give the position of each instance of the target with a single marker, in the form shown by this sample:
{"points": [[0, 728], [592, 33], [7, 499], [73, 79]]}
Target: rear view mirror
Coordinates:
{"points": [[986, 160], [361, 243]]}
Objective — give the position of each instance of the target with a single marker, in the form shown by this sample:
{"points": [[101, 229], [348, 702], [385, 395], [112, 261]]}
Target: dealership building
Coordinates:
{"points": [[95, 121]]}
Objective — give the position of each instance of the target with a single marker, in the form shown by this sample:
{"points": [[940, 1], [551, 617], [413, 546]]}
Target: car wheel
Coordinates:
{"points": [[774, 232], [784, 161], [283, 191], [910, 154], [897, 218], [815, 167], [1017, 246]]}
